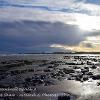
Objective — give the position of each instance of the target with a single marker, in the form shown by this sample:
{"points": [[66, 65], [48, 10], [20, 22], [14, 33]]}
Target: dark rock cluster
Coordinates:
{"points": [[78, 69]]}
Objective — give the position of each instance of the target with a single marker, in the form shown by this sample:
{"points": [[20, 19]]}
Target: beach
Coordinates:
{"points": [[50, 77]]}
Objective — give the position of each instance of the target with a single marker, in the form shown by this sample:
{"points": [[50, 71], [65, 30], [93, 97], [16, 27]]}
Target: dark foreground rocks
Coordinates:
{"points": [[64, 98], [78, 68]]}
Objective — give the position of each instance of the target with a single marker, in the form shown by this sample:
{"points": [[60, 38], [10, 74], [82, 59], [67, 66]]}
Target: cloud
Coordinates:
{"points": [[89, 8], [11, 14], [66, 11], [48, 25], [73, 6], [36, 35], [55, 4], [62, 47], [90, 44]]}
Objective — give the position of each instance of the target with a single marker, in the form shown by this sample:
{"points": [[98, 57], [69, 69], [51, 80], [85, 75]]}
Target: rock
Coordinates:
{"points": [[85, 78], [78, 78], [47, 83], [98, 83], [47, 70], [43, 76], [76, 67], [61, 73], [40, 82], [96, 77], [93, 67], [50, 66], [68, 71], [84, 70], [89, 73], [60, 78], [27, 79], [64, 97]]}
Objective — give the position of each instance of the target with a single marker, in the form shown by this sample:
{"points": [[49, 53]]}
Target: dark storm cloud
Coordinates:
{"points": [[30, 36]]}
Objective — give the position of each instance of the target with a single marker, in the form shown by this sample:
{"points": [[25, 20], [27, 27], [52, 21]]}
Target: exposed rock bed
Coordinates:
{"points": [[44, 72], [79, 69]]}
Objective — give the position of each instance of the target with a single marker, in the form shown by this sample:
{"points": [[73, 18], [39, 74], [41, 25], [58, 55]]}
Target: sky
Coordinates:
{"points": [[32, 26]]}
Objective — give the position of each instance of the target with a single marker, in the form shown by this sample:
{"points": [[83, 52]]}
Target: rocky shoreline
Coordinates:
{"points": [[35, 73]]}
